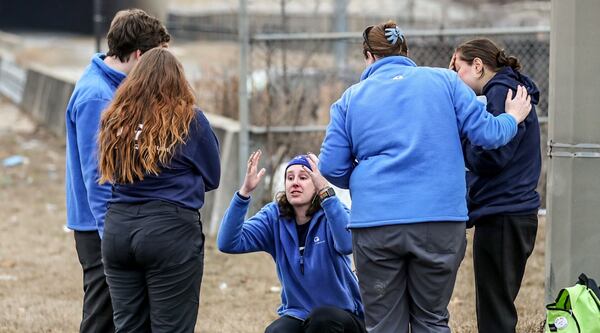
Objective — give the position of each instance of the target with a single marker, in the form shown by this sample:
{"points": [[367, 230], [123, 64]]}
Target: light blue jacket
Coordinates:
{"points": [[394, 139], [322, 276], [86, 200]]}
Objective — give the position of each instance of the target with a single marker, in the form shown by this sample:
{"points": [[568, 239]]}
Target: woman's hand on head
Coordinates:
{"points": [[318, 180], [452, 65], [253, 176], [519, 106]]}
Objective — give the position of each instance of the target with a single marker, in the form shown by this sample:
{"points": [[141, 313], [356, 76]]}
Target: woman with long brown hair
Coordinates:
{"points": [[160, 154]]}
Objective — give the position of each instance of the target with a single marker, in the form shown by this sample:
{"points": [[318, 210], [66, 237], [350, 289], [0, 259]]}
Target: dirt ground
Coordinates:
{"points": [[40, 276]]}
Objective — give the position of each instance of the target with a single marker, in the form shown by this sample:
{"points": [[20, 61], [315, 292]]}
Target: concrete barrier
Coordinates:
{"points": [[12, 76], [45, 98]]}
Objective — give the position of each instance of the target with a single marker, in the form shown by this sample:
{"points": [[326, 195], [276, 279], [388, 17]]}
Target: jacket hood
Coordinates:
{"points": [[511, 79]]}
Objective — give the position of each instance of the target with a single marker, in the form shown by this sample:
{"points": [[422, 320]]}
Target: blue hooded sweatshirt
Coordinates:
{"points": [[194, 169], [504, 180], [86, 199], [394, 139], [322, 276]]}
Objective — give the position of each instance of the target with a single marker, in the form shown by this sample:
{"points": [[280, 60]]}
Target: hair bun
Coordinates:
{"points": [[503, 60]]}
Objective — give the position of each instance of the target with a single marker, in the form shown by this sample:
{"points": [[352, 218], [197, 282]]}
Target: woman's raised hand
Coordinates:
{"points": [[452, 65], [318, 180], [253, 177], [519, 106]]}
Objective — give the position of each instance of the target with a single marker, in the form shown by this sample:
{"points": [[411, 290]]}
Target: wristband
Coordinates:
{"points": [[326, 193]]}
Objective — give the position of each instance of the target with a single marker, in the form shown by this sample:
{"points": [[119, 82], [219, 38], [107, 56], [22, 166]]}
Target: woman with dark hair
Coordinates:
{"points": [[305, 233], [502, 197], [394, 139], [160, 155]]}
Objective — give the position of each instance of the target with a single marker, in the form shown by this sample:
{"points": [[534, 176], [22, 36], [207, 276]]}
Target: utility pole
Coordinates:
{"points": [[573, 230], [98, 20], [340, 17], [244, 40]]}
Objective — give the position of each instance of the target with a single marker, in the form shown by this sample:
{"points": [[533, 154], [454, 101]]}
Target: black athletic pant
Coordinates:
{"points": [[320, 320], [97, 310], [153, 258], [501, 246]]}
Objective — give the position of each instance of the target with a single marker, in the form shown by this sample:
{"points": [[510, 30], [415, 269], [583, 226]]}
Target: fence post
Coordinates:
{"points": [[242, 87], [340, 17]]}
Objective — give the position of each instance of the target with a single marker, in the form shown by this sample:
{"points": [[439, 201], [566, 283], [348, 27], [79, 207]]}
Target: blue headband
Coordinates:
{"points": [[299, 160], [393, 34]]}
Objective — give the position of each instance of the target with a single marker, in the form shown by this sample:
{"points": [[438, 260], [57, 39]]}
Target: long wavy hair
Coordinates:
{"points": [[149, 117]]}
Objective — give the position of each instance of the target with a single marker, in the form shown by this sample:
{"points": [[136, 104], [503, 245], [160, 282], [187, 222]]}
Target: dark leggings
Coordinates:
{"points": [[321, 320]]}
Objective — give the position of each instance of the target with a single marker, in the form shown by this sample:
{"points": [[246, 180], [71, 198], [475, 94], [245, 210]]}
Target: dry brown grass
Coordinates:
{"points": [[40, 277]]}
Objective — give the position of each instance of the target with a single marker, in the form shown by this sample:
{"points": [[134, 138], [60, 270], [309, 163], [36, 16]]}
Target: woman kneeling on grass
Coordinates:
{"points": [[305, 233]]}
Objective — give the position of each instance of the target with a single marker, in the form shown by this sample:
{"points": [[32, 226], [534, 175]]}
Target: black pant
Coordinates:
{"points": [[501, 246], [320, 320], [153, 257], [97, 310]]}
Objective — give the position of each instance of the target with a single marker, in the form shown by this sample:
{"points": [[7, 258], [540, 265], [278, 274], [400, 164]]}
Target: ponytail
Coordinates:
{"points": [[490, 54], [502, 60]]}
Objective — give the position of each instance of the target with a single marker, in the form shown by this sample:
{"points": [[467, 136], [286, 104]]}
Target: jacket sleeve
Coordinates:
{"points": [[338, 218], [206, 159], [478, 125], [491, 162], [239, 236], [335, 160], [87, 122]]}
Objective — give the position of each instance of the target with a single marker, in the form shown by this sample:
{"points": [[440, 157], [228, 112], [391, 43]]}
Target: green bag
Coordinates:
{"points": [[576, 309]]}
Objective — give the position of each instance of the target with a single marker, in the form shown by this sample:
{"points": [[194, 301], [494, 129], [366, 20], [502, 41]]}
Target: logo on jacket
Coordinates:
{"points": [[398, 77], [318, 240]]}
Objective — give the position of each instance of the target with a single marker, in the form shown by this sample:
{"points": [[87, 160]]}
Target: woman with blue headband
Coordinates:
{"points": [[305, 231], [394, 139]]}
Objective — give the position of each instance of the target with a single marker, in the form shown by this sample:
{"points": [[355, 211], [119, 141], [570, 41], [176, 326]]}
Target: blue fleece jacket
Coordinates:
{"points": [[86, 200], [322, 276], [394, 139], [194, 169], [504, 180]]}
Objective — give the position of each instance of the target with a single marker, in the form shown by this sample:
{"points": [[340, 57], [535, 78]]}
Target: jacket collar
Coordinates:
{"points": [[290, 224], [114, 76], [377, 65]]}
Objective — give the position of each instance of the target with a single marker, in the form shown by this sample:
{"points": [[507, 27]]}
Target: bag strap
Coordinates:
{"points": [[590, 283]]}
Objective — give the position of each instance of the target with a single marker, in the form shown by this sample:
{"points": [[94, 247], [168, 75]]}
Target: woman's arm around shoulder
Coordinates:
{"points": [[480, 126]]}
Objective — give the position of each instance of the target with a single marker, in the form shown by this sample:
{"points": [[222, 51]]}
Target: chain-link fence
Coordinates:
{"points": [[294, 78]]}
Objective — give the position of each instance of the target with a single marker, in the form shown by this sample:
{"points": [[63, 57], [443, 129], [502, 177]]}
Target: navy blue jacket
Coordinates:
{"points": [[504, 180], [194, 169]]}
